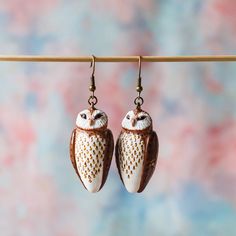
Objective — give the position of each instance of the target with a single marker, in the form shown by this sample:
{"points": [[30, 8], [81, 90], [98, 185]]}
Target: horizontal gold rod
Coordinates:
{"points": [[43, 58]]}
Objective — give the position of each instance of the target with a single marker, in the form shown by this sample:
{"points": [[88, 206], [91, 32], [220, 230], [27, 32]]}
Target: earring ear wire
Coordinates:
{"points": [[92, 101], [139, 100]]}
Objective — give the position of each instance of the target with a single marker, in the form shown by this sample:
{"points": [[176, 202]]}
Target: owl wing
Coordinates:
{"points": [[72, 149], [72, 153], [108, 155], [117, 155], [150, 159]]}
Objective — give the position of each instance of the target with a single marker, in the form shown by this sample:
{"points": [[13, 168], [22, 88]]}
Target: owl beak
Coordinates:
{"points": [[91, 122], [133, 122]]}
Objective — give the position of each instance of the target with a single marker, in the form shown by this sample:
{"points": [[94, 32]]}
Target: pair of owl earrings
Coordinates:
{"points": [[92, 145]]}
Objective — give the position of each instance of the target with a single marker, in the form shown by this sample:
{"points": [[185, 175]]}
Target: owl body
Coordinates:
{"points": [[131, 157], [91, 152], [136, 151]]}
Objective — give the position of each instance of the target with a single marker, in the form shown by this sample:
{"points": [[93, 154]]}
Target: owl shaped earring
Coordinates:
{"points": [[91, 144], [137, 146]]}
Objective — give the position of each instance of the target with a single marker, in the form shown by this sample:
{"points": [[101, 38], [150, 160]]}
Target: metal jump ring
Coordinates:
{"points": [[92, 101], [138, 101]]}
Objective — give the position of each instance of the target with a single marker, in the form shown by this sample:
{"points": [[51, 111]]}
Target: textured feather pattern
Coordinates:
{"points": [[131, 157], [89, 157]]}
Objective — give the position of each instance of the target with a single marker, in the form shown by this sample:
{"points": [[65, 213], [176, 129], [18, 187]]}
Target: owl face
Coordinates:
{"points": [[91, 119], [136, 120]]}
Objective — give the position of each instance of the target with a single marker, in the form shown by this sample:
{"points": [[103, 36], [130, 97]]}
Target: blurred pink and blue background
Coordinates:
{"points": [[193, 105]]}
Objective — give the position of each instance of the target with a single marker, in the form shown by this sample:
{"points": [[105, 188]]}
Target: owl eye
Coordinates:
{"points": [[141, 118], [128, 117], [99, 115], [83, 116]]}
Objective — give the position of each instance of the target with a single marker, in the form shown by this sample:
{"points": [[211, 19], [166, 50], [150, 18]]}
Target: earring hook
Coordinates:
{"points": [[92, 99], [93, 64], [139, 66], [92, 86], [139, 100], [139, 87]]}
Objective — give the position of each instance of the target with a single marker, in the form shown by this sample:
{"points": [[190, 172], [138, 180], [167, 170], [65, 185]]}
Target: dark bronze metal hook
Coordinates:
{"points": [[92, 86], [139, 87], [139, 66], [93, 64], [139, 100]]}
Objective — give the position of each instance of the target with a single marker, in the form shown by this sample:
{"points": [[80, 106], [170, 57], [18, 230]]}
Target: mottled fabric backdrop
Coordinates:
{"points": [[193, 105]]}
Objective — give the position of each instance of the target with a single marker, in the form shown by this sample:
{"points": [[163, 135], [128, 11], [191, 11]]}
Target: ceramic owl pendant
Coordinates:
{"points": [[91, 148], [136, 150]]}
